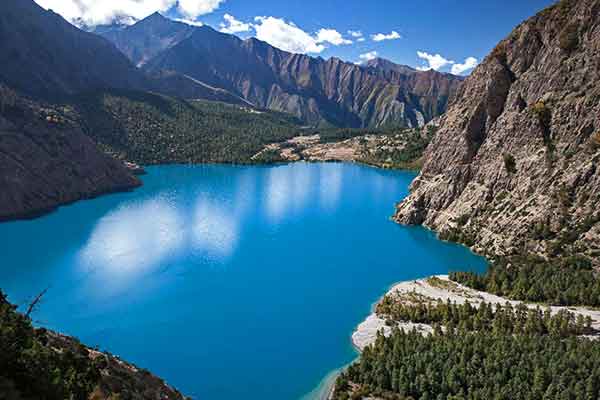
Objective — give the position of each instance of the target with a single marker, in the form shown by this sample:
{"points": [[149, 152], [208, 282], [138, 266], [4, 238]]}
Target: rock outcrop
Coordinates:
{"points": [[515, 166]]}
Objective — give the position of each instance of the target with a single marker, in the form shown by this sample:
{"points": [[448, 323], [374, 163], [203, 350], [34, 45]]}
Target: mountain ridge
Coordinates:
{"points": [[313, 89]]}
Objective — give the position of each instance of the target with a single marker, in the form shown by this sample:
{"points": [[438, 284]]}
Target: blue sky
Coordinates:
{"points": [[444, 33]]}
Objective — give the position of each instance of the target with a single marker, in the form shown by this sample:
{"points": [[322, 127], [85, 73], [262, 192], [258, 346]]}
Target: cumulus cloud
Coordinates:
{"points": [[189, 22], [371, 55], [331, 36], [470, 63], [95, 12], [194, 8], [232, 25], [358, 35], [379, 37], [435, 62], [286, 35]]}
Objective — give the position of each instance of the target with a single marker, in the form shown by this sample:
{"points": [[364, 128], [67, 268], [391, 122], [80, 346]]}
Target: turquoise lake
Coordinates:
{"points": [[231, 282]]}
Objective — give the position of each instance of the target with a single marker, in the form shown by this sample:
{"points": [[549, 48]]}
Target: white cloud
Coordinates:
{"points": [[286, 36], [371, 55], [96, 12], [470, 63], [331, 36], [189, 22], [194, 8], [379, 37], [232, 25], [435, 62], [358, 35]]}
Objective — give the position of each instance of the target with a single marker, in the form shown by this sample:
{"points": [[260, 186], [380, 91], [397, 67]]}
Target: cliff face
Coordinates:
{"points": [[515, 164], [316, 91], [46, 161]]}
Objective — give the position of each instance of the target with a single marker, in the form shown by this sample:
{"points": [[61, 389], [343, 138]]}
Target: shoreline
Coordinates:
{"points": [[441, 288]]}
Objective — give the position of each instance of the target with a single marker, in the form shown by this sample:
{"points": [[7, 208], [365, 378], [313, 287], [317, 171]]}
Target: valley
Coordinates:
{"points": [[238, 202]]}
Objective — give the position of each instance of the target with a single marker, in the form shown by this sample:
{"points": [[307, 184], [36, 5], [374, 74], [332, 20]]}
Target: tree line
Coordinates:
{"points": [[474, 365], [565, 281], [497, 319]]}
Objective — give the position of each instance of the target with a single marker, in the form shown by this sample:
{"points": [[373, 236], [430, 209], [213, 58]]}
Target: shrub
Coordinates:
{"points": [[542, 112], [569, 38], [595, 139], [510, 163]]}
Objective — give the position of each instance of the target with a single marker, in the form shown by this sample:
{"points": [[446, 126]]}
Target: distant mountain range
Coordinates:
{"points": [[317, 91]]}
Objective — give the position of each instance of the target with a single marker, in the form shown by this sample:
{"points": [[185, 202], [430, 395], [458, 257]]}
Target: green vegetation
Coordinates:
{"points": [[329, 135], [474, 365], [569, 38], [151, 129], [504, 320], [565, 281], [407, 157], [510, 164], [29, 368], [542, 112]]}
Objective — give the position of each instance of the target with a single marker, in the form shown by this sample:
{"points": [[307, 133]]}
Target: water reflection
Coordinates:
{"points": [[135, 236], [330, 185], [215, 229]]}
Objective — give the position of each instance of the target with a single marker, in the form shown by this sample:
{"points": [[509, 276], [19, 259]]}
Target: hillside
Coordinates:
{"points": [[46, 160], [36, 363], [43, 55], [154, 129], [514, 166], [317, 91]]}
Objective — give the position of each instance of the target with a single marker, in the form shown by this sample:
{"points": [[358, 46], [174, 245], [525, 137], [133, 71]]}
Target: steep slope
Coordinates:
{"points": [[143, 41], [40, 364], [315, 90], [46, 161], [514, 166], [43, 55]]}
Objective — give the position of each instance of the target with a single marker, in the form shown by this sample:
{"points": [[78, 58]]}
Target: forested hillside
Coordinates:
{"points": [[152, 129]]}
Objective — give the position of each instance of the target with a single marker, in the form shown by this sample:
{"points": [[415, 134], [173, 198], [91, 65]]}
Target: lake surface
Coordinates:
{"points": [[230, 282]]}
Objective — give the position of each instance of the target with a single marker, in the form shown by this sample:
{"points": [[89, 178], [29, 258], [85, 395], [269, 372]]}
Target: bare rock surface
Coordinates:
{"points": [[515, 165]]}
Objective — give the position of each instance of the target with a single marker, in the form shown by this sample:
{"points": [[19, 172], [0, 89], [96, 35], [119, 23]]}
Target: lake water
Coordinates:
{"points": [[230, 282]]}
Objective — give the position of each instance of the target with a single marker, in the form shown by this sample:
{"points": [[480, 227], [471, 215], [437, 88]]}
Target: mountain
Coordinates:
{"points": [[43, 55], [381, 64], [143, 41], [46, 160], [515, 166], [317, 91]]}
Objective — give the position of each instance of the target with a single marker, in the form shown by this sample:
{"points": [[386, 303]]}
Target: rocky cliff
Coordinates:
{"points": [[318, 91], [46, 161], [515, 164]]}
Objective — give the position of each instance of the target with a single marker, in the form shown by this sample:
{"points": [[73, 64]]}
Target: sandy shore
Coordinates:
{"points": [[444, 289]]}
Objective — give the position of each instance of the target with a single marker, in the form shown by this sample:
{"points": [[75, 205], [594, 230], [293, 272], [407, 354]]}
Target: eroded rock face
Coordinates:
{"points": [[46, 161], [515, 164]]}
